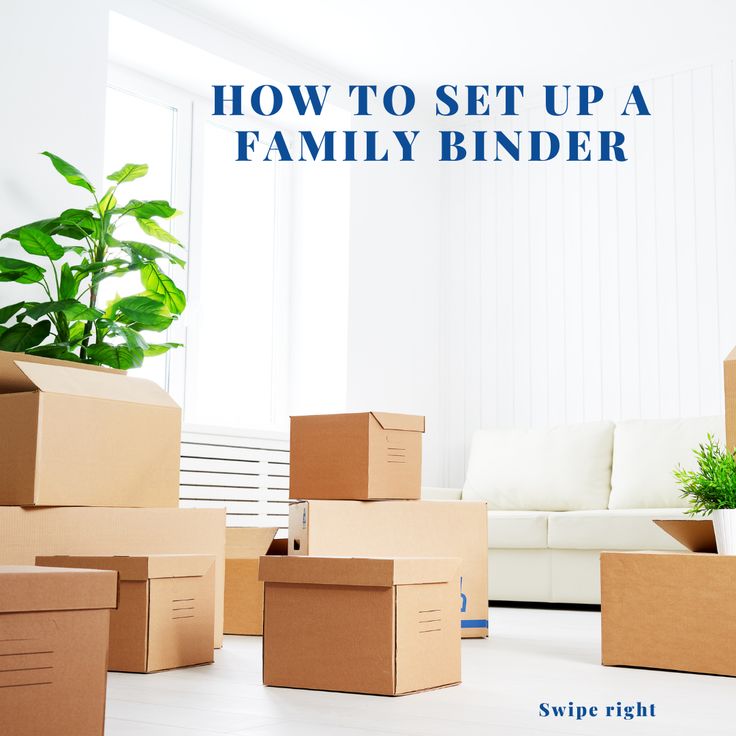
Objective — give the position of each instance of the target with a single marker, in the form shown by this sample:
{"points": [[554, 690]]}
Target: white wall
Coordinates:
{"points": [[53, 98], [53, 58], [585, 291], [394, 316]]}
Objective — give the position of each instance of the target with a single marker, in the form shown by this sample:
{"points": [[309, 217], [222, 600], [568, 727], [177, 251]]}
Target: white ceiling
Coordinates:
{"points": [[427, 42]]}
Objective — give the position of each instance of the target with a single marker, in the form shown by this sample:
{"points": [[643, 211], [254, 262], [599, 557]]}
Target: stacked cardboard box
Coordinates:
{"points": [[89, 465], [356, 480], [360, 539]]}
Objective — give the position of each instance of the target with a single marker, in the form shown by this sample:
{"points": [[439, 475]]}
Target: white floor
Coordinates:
{"points": [[533, 656]]}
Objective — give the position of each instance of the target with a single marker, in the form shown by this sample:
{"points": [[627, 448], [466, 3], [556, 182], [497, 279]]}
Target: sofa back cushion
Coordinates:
{"points": [[645, 454], [565, 468]]}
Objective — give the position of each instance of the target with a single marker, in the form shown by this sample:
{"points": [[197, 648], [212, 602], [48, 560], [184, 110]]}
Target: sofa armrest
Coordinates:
{"points": [[432, 493]]}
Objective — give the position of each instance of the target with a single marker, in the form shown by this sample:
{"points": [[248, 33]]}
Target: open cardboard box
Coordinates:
{"points": [[379, 626], [671, 610], [71, 436], [54, 628], [695, 534], [243, 590], [371, 455], [166, 609]]}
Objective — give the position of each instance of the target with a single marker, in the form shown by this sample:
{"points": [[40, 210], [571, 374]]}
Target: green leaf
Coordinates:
{"points": [[65, 225], [149, 252], [7, 312], [47, 226], [24, 272], [152, 228], [129, 172], [161, 348], [86, 267], [72, 174], [40, 309], [82, 311], [156, 281], [72, 308], [23, 336], [108, 202], [144, 310], [79, 218], [76, 333], [38, 243], [68, 284], [147, 209], [60, 351], [116, 356]]}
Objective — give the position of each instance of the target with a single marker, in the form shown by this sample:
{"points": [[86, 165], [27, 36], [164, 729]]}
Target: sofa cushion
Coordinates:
{"points": [[645, 454], [517, 529], [628, 529], [557, 469]]}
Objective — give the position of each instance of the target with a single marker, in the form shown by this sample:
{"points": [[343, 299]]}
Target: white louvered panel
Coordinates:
{"points": [[246, 475]]}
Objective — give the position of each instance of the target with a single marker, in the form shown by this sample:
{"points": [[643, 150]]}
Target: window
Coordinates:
{"points": [[231, 372], [140, 130]]}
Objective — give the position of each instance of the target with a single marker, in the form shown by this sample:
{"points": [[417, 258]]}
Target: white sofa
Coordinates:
{"points": [[557, 497]]}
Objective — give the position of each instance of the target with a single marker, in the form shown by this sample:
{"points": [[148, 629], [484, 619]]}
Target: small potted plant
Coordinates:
{"points": [[711, 490]]}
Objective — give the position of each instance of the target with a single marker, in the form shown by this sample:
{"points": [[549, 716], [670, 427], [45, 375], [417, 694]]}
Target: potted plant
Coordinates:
{"points": [[711, 490], [71, 255]]}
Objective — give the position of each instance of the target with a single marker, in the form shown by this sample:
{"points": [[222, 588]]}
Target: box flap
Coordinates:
{"points": [[136, 567], [27, 588], [73, 382], [731, 357], [697, 535], [407, 422], [13, 380], [382, 572], [248, 542]]}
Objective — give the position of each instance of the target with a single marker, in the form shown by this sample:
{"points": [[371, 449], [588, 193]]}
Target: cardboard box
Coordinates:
{"points": [[26, 533], [243, 589], [403, 529], [669, 610], [356, 456], [697, 535], [53, 650], [166, 609], [729, 390], [380, 626], [77, 437]]}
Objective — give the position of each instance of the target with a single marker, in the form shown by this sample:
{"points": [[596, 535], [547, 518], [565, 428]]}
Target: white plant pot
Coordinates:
{"points": [[724, 524]]}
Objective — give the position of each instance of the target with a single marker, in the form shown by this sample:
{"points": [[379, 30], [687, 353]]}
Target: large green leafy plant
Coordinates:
{"points": [[73, 254], [713, 485]]}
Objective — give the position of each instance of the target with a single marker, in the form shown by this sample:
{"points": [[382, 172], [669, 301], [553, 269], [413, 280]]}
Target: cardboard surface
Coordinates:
{"points": [[166, 614], [26, 588], [370, 572], [697, 535], [371, 455], [77, 437], [13, 380], [384, 639], [53, 656], [729, 390], [672, 611], [243, 589], [403, 528], [26, 533]]}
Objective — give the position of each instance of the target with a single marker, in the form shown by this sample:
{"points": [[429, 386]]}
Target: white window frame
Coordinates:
{"points": [[192, 113]]}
